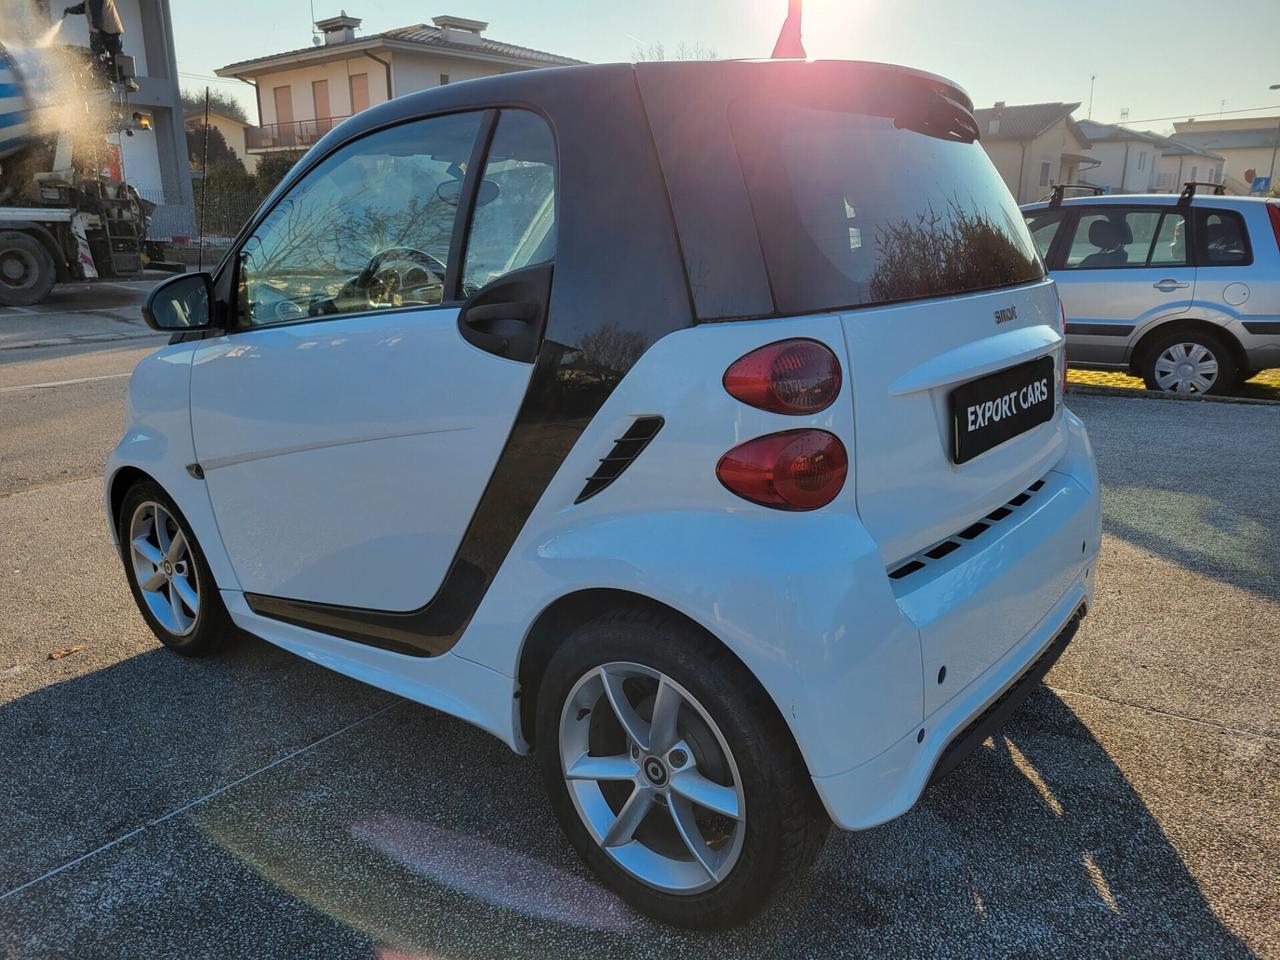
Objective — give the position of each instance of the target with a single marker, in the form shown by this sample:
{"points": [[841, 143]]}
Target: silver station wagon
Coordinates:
{"points": [[1181, 290]]}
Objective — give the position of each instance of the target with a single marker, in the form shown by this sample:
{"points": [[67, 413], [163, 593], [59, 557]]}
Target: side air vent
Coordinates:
{"points": [[972, 532], [625, 450]]}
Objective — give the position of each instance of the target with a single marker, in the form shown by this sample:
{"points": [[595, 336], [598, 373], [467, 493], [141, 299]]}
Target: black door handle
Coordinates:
{"points": [[506, 317]]}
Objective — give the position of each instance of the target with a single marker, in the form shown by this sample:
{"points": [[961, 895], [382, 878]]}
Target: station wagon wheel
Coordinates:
{"points": [[168, 574], [1191, 363], [671, 770], [652, 778]]}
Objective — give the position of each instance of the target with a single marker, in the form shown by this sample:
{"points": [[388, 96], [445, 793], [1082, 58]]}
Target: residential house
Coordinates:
{"points": [[234, 132], [304, 93], [153, 162], [1034, 146], [1181, 161], [1248, 145], [1127, 159]]}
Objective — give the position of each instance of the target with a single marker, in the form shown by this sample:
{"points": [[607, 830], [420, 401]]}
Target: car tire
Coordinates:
{"points": [[1179, 361], [173, 587], [27, 272], [730, 742]]}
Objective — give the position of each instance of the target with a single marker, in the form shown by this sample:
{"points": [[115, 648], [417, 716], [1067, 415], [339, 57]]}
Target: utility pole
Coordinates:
{"points": [[1091, 79]]}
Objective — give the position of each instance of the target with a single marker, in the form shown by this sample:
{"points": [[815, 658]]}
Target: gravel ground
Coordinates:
{"points": [[257, 805]]}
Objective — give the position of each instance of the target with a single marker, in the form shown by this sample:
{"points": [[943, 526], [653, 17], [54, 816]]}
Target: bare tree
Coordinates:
{"points": [[656, 51]]}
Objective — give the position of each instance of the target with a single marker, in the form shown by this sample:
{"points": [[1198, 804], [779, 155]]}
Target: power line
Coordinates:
{"points": [[1180, 116]]}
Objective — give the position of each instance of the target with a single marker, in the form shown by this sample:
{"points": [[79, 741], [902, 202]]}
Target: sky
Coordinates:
{"points": [[1157, 58]]}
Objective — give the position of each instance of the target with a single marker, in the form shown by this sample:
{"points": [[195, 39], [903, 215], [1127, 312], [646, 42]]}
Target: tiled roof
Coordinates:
{"points": [[434, 37], [426, 36], [1111, 132], [1177, 147], [1230, 139], [1025, 121]]}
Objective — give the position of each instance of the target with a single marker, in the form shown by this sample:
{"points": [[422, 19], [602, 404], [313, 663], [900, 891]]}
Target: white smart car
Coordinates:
{"points": [[650, 416]]}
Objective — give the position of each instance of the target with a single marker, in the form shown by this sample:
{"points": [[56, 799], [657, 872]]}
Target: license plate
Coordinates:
{"points": [[992, 409]]}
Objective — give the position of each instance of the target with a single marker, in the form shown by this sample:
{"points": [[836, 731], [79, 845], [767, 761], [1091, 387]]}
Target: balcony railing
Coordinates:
{"points": [[297, 135]]}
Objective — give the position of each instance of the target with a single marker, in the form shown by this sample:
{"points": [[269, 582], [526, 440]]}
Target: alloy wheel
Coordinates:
{"points": [[1186, 368], [164, 568], [652, 778]]}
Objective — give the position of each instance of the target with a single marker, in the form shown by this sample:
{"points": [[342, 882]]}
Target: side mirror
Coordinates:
{"points": [[181, 303]]}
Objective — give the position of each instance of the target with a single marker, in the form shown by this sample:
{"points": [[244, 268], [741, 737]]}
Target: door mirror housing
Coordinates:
{"points": [[180, 304]]}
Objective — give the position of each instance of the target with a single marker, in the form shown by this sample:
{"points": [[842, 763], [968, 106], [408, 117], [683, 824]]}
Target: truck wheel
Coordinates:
{"points": [[672, 773], [27, 272]]}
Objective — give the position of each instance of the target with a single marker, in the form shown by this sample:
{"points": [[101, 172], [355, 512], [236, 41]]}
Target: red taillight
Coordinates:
{"points": [[1273, 211], [791, 376], [792, 470]]}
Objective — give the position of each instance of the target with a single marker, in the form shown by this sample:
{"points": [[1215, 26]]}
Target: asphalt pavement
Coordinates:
{"points": [[257, 805]]}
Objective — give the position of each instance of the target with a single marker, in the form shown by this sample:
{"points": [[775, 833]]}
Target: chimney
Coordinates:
{"points": [[339, 29], [460, 29], [993, 125]]}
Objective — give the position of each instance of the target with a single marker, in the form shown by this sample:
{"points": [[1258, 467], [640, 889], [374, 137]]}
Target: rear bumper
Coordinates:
{"points": [[991, 619], [888, 785]]}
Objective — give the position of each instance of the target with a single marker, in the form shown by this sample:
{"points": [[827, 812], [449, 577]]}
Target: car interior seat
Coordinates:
{"points": [[1109, 236]]}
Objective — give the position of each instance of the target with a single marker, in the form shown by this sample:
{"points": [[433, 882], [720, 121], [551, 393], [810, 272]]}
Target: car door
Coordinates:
{"points": [[349, 423], [1119, 269]]}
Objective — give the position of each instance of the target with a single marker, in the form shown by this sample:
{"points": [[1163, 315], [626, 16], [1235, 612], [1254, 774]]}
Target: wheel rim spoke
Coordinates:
{"points": [[175, 605], [666, 708], [177, 547], [148, 551], [682, 816], [633, 811], [708, 794], [186, 593], [587, 767], [634, 727], [153, 582]]}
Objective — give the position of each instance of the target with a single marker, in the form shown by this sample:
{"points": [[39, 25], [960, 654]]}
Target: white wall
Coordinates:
{"points": [[300, 79], [1121, 169]]}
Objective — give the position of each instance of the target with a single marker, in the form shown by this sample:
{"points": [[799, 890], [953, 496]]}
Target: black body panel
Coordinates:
{"points": [[619, 286]]}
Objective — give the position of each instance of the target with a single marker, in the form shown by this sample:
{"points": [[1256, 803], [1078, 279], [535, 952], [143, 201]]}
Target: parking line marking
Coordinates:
{"points": [[64, 383], [199, 800]]}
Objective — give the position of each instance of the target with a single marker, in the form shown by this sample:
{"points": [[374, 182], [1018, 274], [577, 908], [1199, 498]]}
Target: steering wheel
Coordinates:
{"points": [[386, 284]]}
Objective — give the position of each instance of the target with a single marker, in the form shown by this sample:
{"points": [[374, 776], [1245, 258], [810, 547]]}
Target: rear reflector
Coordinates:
{"points": [[794, 377], [792, 470]]}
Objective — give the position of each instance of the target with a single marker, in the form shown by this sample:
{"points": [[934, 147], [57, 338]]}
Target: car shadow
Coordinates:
{"points": [[1191, 482], [411, 834]]}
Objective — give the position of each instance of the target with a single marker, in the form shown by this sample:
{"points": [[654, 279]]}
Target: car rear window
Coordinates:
{"points": [[854, 209]]}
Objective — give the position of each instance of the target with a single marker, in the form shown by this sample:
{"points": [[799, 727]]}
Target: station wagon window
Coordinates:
{"points": [[515, 218], [1113, 237], [1044, 225], [1222, 241], [368, 229]]}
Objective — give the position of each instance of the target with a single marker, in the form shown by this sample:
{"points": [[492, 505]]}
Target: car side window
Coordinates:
{"points": [[514, 224], [1127, 237], [1222, 239], [368, 229], [1044, 225]]}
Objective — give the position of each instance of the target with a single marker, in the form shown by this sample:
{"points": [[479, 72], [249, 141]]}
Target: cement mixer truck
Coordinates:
{"points": [[66, 212]]}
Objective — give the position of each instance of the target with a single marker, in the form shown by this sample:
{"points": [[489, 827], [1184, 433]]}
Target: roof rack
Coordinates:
{"points": [[1055, 198], [1189, 189]]}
